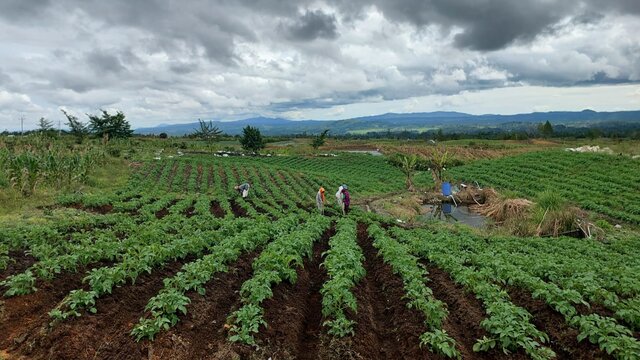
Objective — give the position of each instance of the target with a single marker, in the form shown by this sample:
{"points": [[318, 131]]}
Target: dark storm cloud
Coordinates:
{"points": [[167, 58], [75, 81], [313, 25], [620, 6], [486, 25], [14, 10], [104, 61], [5, 79], [183, 67], [494, 24], [205, 24]]}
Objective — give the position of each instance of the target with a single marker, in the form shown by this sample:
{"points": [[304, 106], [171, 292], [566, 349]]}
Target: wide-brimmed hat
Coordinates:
{"points": [[321, 189], [344, 187]]}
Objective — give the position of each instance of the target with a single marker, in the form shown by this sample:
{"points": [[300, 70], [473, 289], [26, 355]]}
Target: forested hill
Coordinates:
{"points": [[447, 121]]}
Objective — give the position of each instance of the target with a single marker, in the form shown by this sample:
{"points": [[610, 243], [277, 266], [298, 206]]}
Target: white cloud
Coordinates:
{"points": [[167, 62]]}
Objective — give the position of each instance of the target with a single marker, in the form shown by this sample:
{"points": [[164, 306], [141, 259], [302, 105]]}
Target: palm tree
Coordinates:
{"points": [[408, 166]]}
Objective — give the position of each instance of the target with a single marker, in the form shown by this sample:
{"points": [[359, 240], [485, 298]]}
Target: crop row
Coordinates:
{"points": [[601, 183], [480, 266], [343, 262], [419, 295], [275, 264], [171, 300]]}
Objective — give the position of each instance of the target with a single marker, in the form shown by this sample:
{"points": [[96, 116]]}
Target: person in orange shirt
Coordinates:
{"points": [[320, 200]]}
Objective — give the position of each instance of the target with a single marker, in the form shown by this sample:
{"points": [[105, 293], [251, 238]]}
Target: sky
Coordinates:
{"points": [[169, 61]]}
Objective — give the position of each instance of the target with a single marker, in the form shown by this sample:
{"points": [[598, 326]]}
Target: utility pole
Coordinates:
{"points": [[22, 125], [59, 128]]}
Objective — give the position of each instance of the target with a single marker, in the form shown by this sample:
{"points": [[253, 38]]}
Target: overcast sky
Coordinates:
{"points": [[175, 61]]}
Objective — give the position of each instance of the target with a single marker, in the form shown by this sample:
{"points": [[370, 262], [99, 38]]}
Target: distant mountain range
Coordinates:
{"points": [[445, 120]]}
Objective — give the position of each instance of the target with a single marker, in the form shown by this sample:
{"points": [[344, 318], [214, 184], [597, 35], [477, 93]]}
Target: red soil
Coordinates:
{"points": [[216, 209], [201, 334], [465, 315], [19, 262], [294, 313], [563, 337], [386, 328]]}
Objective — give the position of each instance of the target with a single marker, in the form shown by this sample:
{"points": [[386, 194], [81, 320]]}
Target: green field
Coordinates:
{"points": [[170, 262], [606, 184]]}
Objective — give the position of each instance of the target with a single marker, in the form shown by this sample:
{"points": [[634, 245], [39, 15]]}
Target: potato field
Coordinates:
{"points": [[177, 265]]}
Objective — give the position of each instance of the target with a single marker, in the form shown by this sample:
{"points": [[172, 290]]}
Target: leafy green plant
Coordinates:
{"points": [[19, 284], [275, 264], [343, 262], [419, 295]]}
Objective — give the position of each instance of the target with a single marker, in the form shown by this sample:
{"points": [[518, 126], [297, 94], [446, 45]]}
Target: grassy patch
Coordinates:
{"points": [[104, 179]]}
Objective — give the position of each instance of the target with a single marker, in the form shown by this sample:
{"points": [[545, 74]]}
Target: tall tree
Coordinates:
{"points": [[319, 140], [207, 132], [252, 139], [546, 129], [407, 163], [76, 127], [45, 127], [109, 126]]}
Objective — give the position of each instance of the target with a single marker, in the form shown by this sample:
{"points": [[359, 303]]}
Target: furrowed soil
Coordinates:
{"points": [[185, 178], [199, 186], [106, 334], [102, 210], [172, 175], [237, 210], [201, 334], [19, 262], [22, 317], [465, 315], [216, 209], [294, 313], [385, 327], [165, 210], [210, 171], [599, 309], [563, 337]]}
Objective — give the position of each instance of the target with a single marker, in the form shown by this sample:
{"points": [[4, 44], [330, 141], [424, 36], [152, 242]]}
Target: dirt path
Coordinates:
{"points": [[386, 328], [294, 313]]}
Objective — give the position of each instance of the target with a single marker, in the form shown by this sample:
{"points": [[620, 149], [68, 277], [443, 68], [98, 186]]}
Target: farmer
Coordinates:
{"points": [[339, 198], [243, 189], [320, 200], [346, 200]]}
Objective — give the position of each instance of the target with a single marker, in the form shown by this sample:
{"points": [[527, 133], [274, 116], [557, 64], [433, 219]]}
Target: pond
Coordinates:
{"points": [[454, 214], [370, 152]]}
